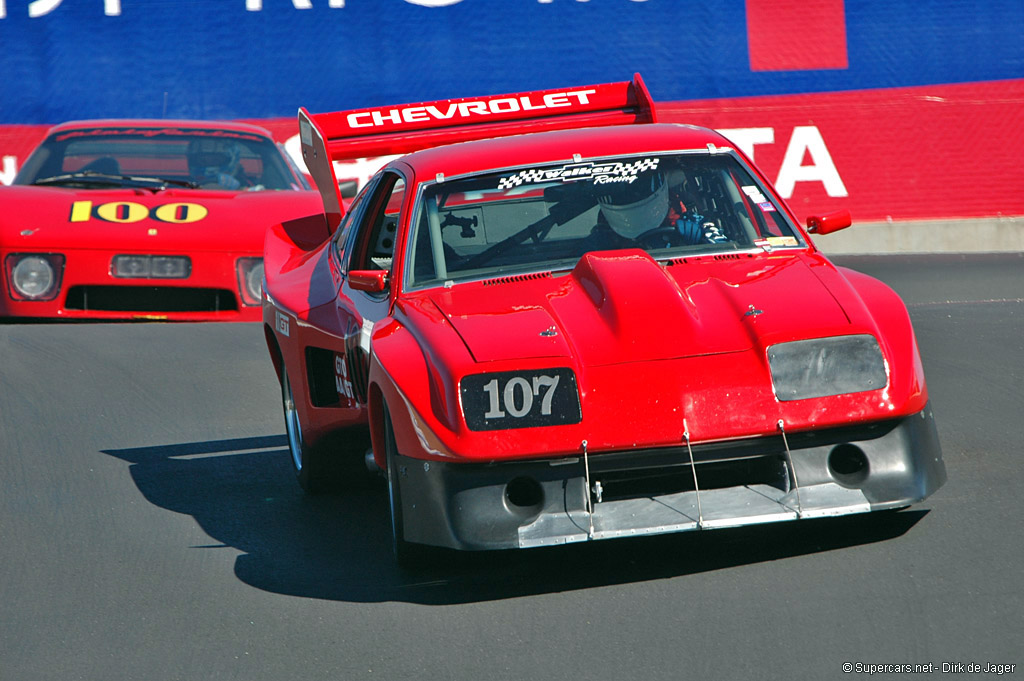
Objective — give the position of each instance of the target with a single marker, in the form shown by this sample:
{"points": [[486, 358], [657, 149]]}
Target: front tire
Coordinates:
{"points": [[408, 555]]}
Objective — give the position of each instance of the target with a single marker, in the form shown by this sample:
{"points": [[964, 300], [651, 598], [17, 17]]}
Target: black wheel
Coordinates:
{"points": [[307, 462], [408, 555]]}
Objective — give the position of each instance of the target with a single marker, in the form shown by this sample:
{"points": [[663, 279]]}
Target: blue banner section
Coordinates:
{"points": [[71, 59]]}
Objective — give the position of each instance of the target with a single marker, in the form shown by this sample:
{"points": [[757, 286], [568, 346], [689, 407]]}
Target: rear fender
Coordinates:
{"points": [[284, 247], [275, 350]]}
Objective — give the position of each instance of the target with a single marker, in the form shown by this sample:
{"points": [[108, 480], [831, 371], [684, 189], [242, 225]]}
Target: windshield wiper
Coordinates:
{"points": [[93, 177]]}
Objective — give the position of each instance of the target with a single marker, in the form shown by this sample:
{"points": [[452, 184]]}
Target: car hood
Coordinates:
{"points": [[39, 218], [623, 306]]}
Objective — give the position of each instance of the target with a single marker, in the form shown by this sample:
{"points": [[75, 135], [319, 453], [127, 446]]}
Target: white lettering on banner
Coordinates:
{"points": [[10, 169], [257, 5], [805, 139], [747, 138], [39, 8], [501, 105], [112, 8]]}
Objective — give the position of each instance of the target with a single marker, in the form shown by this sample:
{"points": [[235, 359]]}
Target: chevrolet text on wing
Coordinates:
{"points": [[485, 107]]}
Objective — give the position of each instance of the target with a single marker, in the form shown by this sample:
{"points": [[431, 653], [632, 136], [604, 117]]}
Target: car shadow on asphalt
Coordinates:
{"points": [[337, 546]]}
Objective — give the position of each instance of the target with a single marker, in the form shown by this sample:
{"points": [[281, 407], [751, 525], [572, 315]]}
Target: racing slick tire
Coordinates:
{"points": [[307, 462]]}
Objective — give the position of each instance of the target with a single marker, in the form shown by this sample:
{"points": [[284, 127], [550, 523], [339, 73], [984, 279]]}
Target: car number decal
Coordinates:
{"points": [[341, 380], [130, 211], [520, 399]]}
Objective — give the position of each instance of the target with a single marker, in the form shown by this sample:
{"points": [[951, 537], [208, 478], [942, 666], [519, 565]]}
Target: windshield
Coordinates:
{"points": [[545, 218], [146, 157]]}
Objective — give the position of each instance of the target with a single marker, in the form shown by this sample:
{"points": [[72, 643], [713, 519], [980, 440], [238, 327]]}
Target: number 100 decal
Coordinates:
{"points": [[520, 399]]}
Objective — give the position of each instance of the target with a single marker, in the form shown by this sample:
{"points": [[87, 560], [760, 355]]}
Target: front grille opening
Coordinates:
{"points": [[650, 482], [150, 299]]}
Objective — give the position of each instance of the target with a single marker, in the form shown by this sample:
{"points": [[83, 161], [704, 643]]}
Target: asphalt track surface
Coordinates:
{"points": [[150, 530]]}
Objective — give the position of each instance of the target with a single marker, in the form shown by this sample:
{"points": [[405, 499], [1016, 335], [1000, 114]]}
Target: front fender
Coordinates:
{"points": [[896, 335], [399, 377]]}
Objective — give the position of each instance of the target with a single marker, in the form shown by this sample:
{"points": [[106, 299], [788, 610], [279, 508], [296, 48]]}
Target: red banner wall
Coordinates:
{"points": [[936, 152]]}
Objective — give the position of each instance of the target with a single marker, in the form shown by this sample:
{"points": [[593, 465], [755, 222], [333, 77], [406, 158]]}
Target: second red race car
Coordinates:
{"points": [[140, 219], [560, 321]]}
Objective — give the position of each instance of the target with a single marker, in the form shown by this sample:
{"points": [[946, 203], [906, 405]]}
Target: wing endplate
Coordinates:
{"points": [[321, 167]]}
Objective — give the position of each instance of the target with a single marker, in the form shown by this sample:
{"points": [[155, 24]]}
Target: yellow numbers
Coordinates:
{"points": [[129, 211]]}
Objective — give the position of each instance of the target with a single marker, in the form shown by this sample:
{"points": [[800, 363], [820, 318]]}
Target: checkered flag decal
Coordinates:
{"points": [[645, 165], [523, 177]]}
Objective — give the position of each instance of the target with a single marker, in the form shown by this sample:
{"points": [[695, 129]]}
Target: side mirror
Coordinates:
{"points": [[371, 281], [826, 224]]}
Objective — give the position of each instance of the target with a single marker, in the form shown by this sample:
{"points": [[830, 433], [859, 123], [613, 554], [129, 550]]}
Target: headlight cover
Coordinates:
{"points": [[823, 367], [250, 280], [34, 276]]}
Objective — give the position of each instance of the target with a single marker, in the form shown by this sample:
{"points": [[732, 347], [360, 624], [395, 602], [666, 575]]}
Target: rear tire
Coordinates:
{"points": [[307, 462]]}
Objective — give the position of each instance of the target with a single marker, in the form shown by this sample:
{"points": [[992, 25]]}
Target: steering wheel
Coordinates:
{"points": [[665, 236]]}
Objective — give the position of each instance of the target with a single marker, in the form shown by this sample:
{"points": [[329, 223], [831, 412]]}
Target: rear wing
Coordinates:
{"points": [[405, 128]]}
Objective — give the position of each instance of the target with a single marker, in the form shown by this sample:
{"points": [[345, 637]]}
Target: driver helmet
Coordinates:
{"points": [[213, 159], [637, 207]]}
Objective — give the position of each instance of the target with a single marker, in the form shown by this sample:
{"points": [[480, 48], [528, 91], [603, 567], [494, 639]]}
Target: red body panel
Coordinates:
{"points": [[637, 383], [619, 318], [89, 227]]}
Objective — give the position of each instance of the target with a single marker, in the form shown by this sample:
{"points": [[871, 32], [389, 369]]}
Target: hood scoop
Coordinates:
{"points": [[628, 308], [619, 307]]}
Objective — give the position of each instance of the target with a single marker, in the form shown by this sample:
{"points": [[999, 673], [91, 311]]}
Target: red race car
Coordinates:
{"points": [[577, 324], [134, 219]]}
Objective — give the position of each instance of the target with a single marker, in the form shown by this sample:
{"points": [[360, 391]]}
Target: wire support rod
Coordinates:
{"points": [[586, 491], [693, 468], [789, 458]]}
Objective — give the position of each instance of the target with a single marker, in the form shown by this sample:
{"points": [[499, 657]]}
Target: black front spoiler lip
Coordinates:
{"points": [[483, 506]]}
